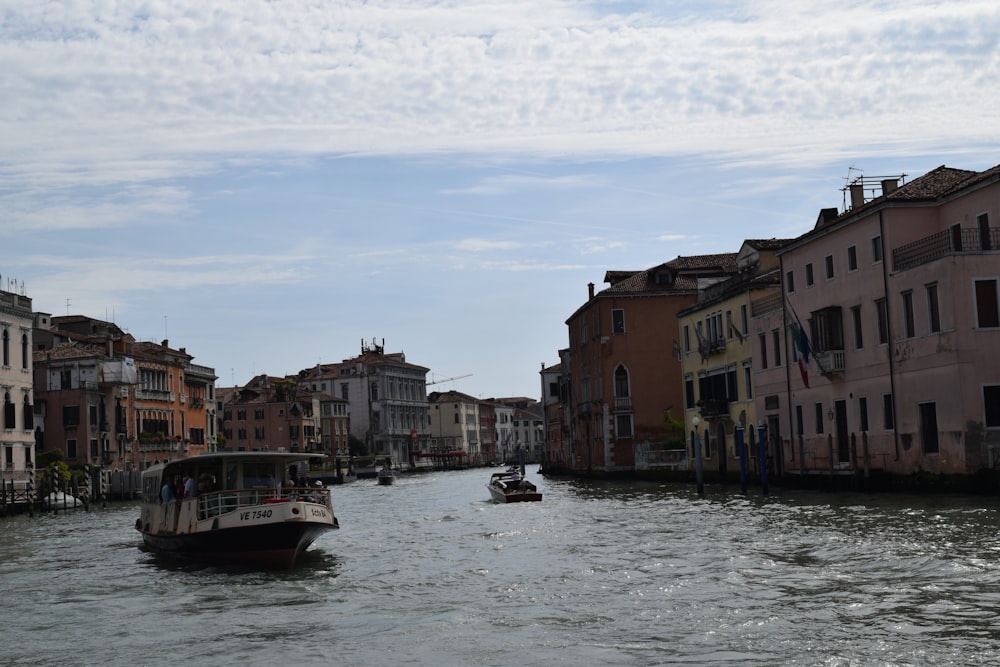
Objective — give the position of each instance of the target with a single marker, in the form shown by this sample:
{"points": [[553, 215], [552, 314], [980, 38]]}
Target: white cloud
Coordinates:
{"points": [[113, 86], [486, 245]]}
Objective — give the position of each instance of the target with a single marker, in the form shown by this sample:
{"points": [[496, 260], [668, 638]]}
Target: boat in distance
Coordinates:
{"points": [[233, 508], [510, 486], [386, 477]]}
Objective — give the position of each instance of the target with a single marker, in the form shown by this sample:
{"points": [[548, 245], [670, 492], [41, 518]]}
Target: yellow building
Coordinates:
{"points": [[716, 356]]}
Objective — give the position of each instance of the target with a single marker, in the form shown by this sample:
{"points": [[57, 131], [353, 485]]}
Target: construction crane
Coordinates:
{"points": [[457, 377]]}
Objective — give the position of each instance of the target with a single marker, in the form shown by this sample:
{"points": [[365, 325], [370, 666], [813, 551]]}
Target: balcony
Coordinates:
{"points": [[830, 361], [713, 407], [944, 243], [623, 404]]}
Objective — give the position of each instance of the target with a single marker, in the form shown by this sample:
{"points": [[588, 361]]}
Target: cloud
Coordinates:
{"points": [[157, 83], [485, 245]]}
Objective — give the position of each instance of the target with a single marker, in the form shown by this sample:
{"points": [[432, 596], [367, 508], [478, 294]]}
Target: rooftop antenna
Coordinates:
{"points": [[67, 306]]}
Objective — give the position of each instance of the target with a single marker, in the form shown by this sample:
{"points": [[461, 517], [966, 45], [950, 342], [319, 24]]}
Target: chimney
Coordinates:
{"points": [[857, 195], [889, 186], [590, 290]]}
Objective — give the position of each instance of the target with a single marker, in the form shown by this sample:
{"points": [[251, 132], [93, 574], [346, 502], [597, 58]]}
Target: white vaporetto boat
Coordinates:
{"points": [[233, 507]]}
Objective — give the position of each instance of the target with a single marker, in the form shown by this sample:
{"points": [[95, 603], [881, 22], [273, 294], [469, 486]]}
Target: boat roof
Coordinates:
{"points": [[220, 457]]}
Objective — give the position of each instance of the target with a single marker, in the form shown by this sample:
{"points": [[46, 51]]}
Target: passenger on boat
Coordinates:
{"points": [[189, 490], [166, 492], [317, 495]]}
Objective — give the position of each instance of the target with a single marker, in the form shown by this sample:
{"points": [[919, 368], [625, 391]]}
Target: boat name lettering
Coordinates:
{"points": [[315, 511], [255, 514]]}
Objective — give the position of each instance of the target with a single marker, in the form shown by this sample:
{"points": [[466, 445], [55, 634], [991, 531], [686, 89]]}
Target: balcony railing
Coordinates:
{"points": [[830, 361], [623, 404], [943, 243], [711, 407]]}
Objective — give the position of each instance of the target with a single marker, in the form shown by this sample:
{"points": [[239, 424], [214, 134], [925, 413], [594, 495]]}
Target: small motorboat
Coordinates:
{"points": [[510, 486], [233, 507], [386, 477]]}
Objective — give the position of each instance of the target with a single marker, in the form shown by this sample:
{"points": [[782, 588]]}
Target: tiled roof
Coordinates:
{"points": [[68, 350], [684, 272], [768, 244], [933, 184]]}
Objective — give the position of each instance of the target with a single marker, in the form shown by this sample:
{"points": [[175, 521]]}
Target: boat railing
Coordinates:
{"points": [[222, 502]]}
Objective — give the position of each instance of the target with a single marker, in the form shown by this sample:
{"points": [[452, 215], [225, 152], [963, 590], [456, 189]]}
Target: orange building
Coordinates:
{"points": [[624, 372]]}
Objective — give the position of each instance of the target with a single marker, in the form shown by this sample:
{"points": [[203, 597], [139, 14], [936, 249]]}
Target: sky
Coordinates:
{"points": [[269, 184]]}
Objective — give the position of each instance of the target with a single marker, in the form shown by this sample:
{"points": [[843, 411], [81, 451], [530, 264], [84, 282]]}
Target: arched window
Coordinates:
{"points": [[6, 347], [29, 413], [8, 411], [24, 351], [621, 382]]}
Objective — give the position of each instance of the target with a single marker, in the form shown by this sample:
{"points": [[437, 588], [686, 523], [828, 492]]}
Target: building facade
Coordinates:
{"points": [[624, 374], [716, 353], [893, 307], [17, 440]]}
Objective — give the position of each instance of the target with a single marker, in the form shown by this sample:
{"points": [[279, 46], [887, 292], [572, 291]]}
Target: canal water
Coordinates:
{"points": [[429, 572]]}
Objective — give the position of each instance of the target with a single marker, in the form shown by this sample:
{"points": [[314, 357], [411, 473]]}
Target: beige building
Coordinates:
{"points": [[17, 439]]}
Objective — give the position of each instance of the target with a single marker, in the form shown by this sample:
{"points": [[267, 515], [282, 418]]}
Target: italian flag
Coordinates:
{"points": [[801, 352]]}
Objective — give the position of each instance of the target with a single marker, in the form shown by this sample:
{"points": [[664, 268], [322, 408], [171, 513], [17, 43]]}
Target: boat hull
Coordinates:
{"points": [[505, 497], [276, 545]]}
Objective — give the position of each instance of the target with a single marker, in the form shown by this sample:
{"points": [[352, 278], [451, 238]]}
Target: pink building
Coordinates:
{"points": [[898, 300]]}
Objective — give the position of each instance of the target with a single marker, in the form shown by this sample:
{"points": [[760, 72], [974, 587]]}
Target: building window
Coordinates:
{"points": [[258, 413], [983, 221], [25, 349], [799, 425], [713, 325], [827, 329], [621, 382], [987, 313], [71, 448], [819, 418], [744, 321], [809, 274], [790, 282], [908, 325], [763, 350], [863, 412], [9, 412], [956, 237], [991, 404], [888, 414], [71, 415], [618, 321], [777, 347], [876, 249], [928, 427], [852, 258], [689, 392], [933, 308], [687, 338], [623, 425], [828, 261], [344, 393], [748, 380], [883, 321], [859, 341], [6, 347]]}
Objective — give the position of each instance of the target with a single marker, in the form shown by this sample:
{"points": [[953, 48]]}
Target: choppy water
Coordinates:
{"points": [[429, 572]]}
